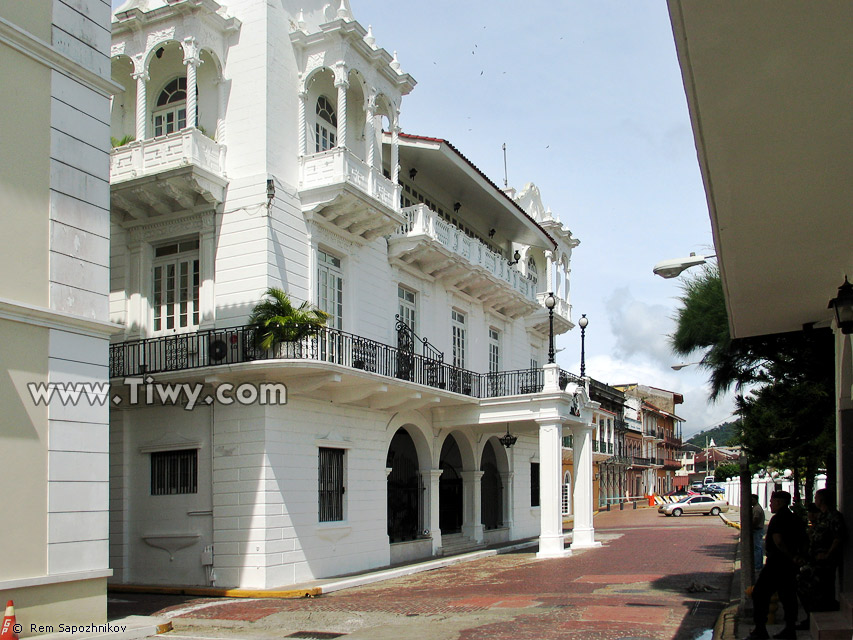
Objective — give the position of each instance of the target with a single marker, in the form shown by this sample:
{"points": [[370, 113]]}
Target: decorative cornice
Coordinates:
{"points": [[195, 223], [43, 53]]}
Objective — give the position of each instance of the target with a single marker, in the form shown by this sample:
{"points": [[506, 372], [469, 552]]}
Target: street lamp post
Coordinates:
{"points": [[582, 323], [550, 303], [674, 267]]}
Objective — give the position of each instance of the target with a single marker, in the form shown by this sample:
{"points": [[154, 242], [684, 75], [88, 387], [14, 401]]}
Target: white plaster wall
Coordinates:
{"points": [[79, 171], [525, 518], [143, 514], [77, 458]]}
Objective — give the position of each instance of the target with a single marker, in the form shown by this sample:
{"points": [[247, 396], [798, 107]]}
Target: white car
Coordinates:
{"points": [[695, 504]]}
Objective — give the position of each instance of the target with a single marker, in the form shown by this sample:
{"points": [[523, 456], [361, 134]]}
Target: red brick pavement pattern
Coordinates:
{"points": [[635, 586]]}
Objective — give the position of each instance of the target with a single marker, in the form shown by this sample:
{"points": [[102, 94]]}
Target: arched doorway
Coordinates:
{"points": [[450, 487], [405, 489], [491, 490]]}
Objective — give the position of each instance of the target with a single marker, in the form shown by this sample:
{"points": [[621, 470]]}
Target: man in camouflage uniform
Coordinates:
{"points": [[825, 549]]}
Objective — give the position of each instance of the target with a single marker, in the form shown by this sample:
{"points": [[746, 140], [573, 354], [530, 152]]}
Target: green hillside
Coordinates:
{"points": [[724, 435]]}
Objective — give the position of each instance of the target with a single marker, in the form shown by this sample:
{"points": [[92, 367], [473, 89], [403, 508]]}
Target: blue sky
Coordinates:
{"points": [[588, 98]]}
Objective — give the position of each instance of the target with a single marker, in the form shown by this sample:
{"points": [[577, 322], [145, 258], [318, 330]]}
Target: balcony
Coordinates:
{"points": [[672, 440], [641, 462], [161, 175], [225, 348], [339, 188], [562, 315], [669, 463], [442, 251]]}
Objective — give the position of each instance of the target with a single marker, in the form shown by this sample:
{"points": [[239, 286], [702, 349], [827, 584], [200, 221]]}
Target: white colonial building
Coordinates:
{"points": [[259, 146]]}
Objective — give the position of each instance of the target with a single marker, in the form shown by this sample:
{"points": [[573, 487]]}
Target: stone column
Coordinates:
{"points": [[207, 257], [434, 529], [472, 521], [551, 539], [549, 271], [395, 153], [583, 533], [507, 480], [191, 60], [139, 287], [342, 84], [141, 78], [221, 89], [370, 138], [303, 124]]}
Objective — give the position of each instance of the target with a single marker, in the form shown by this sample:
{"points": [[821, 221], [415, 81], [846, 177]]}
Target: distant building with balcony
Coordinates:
{"points": [[260, 147], [655, 438]]}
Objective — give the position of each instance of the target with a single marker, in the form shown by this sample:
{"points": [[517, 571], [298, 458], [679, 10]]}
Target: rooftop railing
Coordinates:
{"points": [[236, 345]]}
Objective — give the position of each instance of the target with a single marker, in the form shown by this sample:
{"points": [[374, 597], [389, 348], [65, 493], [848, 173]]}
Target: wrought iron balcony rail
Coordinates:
{"points": [[641, 462], [320, 344]]}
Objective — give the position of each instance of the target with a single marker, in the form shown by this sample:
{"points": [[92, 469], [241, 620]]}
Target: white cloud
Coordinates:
{"points": [[640, 329]]}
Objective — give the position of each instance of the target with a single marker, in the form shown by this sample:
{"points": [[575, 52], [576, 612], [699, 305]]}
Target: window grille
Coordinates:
{"points": [[331, 485], [174, 472]]}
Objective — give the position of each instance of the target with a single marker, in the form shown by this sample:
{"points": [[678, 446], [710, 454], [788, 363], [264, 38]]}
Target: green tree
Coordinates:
{"points": [[726, 470], [789, 407], [278, 321]]}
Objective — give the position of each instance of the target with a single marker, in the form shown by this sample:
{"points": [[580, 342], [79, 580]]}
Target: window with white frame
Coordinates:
{"points": [[457, 321], [175, 285], [330, 288], [170, 114], [407, 301], [330, 487], [494, 350], [326, 126]]}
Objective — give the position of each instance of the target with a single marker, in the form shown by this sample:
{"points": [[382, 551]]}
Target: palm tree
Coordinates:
{"points": [[277, 320]]}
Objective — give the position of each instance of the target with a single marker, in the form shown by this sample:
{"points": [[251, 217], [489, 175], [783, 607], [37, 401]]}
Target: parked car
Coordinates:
{"points": [[697, 486], [703, 504], [712, 488]]}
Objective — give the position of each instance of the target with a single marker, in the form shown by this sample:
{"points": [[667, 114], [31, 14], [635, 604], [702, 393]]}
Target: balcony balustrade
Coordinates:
{"points": [[236, 345], [641, 462], [190, 168], [341, 189], [441, 250]]}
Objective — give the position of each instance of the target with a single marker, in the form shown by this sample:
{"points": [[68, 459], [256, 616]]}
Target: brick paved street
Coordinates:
{"points": [[654, 577]]}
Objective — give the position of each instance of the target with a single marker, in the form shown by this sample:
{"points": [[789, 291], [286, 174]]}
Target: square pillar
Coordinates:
{"points": [[472, 520], [551, 539], [583, 532], [432, 475]]}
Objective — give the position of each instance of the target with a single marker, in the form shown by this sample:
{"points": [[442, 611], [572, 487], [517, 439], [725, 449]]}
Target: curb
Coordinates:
{"points": [[329, 586], [213, 592]]}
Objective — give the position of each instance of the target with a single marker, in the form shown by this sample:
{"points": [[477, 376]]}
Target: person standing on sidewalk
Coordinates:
{"points": [[757, 534], [785, 537]]}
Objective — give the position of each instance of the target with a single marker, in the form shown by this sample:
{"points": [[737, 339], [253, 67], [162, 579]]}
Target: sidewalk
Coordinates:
{"points": [[653, 577], [736, 621]]}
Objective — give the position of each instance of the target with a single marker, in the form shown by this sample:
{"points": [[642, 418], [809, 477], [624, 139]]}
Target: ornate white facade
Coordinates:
{"points": [[267, 151]]}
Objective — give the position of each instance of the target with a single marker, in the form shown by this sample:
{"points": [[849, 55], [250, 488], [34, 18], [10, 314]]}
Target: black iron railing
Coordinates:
{"points": [[321, 344], [641, 462]]}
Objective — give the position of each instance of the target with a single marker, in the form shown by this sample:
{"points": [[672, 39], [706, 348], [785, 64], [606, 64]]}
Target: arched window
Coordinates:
{"points": [[532, 272], [171, 111], [326, 127]]}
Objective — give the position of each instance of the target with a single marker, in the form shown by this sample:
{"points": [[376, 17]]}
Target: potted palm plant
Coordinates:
{"points": [[280, 326]]}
